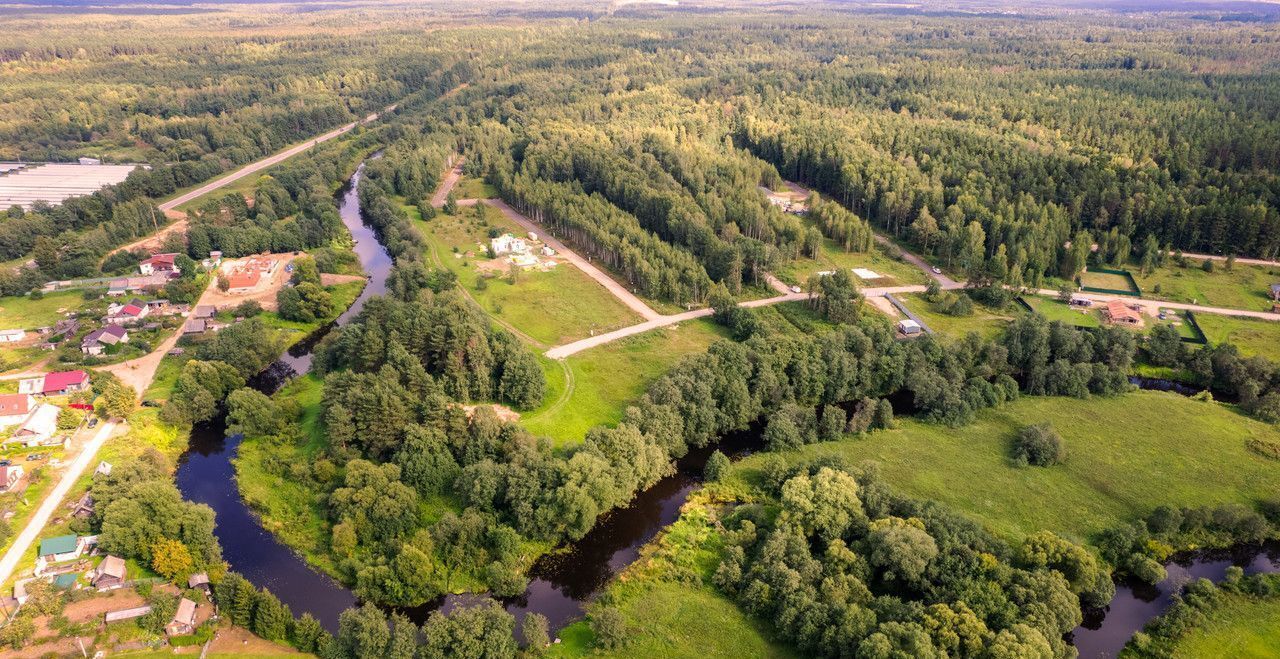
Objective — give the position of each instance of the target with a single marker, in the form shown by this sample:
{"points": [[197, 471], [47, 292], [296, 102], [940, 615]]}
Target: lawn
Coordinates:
{"points": [[1251, 336], [595, 386], [984, 321], [894, 272], [669, 605], [1055, 310], [25, 312], [1242, 287], [1106, 280], [554, 307], [1241, 627], [1125, 456]]}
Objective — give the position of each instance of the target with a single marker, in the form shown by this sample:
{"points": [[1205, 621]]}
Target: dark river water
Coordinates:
{"points": [[562, 582]]}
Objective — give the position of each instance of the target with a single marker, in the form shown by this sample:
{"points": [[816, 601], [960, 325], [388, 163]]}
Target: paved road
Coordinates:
{"points": [[52, 501], [560, 352], [613, 286], [268, 161], [170, 207]]}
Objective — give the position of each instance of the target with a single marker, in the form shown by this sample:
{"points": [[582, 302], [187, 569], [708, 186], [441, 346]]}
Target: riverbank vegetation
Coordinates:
{"points": [[1237, 617]]}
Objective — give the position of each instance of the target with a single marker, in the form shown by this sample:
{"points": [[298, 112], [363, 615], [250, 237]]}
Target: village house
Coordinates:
{"points": [[184, 619], [199, 580], [55, 384], [15, 408], [204, 311], [1119, 313], [127, 314], [137, 284], [12, 335], [96, 342], [39, 428], [508, 244], [109, 574], [83, 507], [159, 263], [9, 476], [243, 281], [61, 549]]}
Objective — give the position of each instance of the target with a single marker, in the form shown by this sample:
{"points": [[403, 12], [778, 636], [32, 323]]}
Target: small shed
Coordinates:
{"points": [[65, 581], [909, 327], [110, 573], [199, 580], [184, 620], [1275, 292]]}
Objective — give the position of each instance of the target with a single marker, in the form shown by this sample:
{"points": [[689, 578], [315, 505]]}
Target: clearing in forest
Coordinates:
{"points": [[1241, 287], [596, 385], [1126, 455], [553, 305]]}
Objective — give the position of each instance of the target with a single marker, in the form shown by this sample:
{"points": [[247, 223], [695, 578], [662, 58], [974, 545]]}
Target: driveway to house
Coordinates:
{"points": [[51, 501], [613, 286]]}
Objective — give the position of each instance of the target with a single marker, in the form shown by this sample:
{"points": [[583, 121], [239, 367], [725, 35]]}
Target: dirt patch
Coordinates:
{"points": [[330, 279], [504, 413], [115, 600], [264, 291], [883, 305], [235, 640]]}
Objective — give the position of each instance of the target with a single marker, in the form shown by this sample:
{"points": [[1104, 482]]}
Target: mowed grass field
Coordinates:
{"points": [[24, 312], [1055, 310], [1251, 336], [1241, 628], [1242, 287], [1107, 280], [554, 307], [596, 385], [984, 321], [1125, 456]]}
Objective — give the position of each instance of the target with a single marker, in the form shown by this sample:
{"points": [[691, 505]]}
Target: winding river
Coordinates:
{"points": [[561, 583]]}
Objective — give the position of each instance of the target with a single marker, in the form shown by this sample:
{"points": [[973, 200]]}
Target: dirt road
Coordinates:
{"points": [[613, 286], [560, 352], [1153, 306], [446, 184], [51, 501], [1240, 260]]}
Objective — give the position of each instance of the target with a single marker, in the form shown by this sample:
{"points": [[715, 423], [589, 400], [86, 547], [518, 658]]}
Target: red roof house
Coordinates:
{"points": [[158, 263], [1118, 312], [65, 382], [14, 408]]}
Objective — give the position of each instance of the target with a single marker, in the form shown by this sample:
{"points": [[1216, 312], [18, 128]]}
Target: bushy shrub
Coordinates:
{"points": [[1039, 445]]}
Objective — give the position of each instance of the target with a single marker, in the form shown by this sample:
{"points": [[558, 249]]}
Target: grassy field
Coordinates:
{"points": [[553, 307], [1243, 287], [1241, 628], [286, 507], [984, 321], [1055, 310], [599, 383], [832, 257], [1125, 456], [23, 312], [669, 605], [1105, 280], [474, 188], [1253, 337]]}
